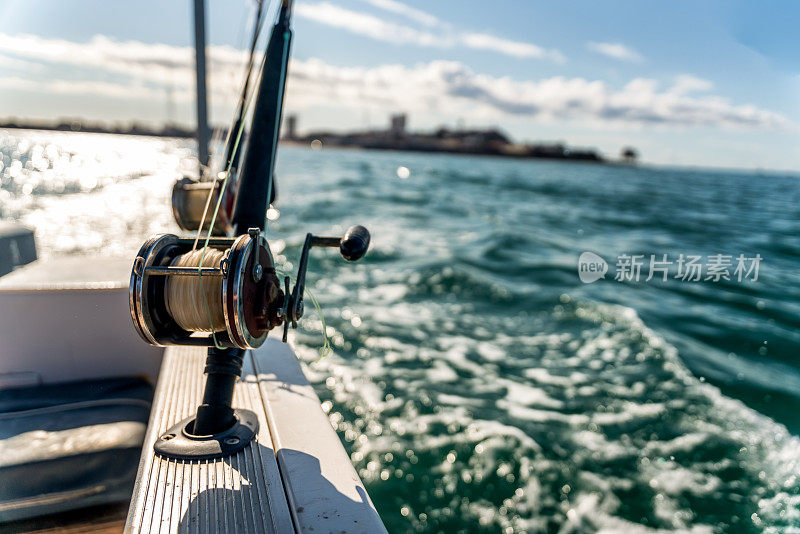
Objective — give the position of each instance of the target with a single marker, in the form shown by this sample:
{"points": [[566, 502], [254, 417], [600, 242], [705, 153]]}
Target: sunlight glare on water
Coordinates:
{"points": [[86, 193]]}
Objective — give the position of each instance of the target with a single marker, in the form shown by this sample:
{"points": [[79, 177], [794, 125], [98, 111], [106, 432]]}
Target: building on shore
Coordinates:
{"points": [[629, 155], [290, 127], [397, 125]]}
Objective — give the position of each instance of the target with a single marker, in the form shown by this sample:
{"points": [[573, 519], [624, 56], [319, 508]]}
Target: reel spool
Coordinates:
{"points": [[235, 297]]}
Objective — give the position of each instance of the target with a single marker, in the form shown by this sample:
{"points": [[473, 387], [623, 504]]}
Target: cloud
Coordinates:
{"points": [[616, 51], [440, 35], [148, 64], [81, 88], [452, 88], [482, 41], [407, 11], [136, 71], [18, 64], [366, 25], [686, 83]]}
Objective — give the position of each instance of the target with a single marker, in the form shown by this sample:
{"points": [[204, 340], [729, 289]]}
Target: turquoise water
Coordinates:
{"points": [[478, 384]]}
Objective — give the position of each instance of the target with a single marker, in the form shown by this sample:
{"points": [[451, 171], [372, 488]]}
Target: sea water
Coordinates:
{"points": [[477, 383]]}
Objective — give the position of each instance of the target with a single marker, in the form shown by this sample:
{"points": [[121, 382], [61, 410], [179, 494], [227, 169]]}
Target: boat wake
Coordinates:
{"points": [[595, 425]]}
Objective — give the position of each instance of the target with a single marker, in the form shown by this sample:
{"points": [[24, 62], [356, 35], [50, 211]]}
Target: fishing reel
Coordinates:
{"points": [[182, 293], [189, 200], [225, 295]]}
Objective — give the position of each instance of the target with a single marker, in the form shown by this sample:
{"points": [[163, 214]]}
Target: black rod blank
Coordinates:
{"points": [[256, 186]]}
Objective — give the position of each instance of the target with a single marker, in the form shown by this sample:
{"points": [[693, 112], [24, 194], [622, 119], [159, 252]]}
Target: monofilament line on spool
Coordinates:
{"points": [[195, 304]]}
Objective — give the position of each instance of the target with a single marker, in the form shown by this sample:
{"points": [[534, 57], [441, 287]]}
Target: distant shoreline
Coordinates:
{"points": [[457, 151], [294, 142], [304, 144], [457, 142], [78, 127], [482, 142]]}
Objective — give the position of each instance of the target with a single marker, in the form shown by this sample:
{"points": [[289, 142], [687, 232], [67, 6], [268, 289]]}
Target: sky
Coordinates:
{"points": [[687, 83]]}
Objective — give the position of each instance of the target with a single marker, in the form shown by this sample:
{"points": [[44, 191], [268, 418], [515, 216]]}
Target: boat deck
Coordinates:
{"points": [[294, 477]]}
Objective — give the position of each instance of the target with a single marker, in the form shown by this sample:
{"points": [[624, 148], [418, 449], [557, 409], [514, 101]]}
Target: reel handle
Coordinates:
{"points": [[352, 246]]}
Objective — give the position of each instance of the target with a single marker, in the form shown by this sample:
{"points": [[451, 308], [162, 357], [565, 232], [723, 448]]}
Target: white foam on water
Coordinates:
{"points": [[628, 352]]}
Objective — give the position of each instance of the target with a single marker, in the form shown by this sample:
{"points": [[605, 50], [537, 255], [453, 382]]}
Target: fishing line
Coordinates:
{"points": [[184, 293], [208, 237], [211, 226], [325, 349], [249, 100], [226, 176], [230, 153], [227, 172], [238, 123], [326, 342]]}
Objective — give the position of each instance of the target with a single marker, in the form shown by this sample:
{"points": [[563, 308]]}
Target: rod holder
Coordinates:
{"points": [[217, 429]]}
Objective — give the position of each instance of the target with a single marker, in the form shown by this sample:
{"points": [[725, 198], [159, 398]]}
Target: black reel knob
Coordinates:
{"points": [[354, 243]]}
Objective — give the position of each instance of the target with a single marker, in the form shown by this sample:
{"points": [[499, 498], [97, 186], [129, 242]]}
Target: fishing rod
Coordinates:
{"points": [[257, 182], [226, 295], [192, 198]]}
